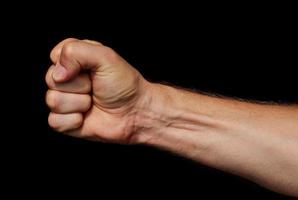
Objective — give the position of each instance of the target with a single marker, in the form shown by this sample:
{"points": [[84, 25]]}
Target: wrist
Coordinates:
{"points": [[179, 121], [151, 115], [166, 113]]}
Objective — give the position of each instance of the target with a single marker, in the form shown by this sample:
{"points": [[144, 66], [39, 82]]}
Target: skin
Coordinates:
{"points": [[95, 94]]}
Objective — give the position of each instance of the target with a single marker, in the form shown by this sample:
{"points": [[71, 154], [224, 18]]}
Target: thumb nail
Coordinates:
{"points": [[59, 73]]}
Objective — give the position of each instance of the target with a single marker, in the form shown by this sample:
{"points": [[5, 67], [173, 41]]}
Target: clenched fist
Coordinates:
{"points": [[93, 92]]}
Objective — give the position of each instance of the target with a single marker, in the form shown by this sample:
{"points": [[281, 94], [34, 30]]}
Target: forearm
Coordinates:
{"points": [[259, 142]]}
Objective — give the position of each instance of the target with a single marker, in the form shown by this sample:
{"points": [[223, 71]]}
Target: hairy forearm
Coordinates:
{"points": [[258, 142]]}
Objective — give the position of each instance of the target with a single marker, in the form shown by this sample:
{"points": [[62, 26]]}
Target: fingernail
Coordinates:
{"points": [[59, 73]]}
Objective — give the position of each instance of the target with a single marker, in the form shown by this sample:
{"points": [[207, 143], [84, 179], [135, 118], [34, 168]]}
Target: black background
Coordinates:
{"points": [[250, 55]]}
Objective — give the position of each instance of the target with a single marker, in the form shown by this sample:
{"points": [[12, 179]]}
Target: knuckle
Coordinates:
{"points": [[53, 100], [92, 42], [48, 78], [110, 54], [69, 49], [52, 122], [53, 55]]}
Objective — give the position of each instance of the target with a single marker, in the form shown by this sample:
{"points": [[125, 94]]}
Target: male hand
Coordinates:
{"points": [[96, 94], [93, 92]]}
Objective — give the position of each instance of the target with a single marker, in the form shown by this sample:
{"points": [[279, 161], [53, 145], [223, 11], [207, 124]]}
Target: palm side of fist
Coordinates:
{"points": [[93, 92]]}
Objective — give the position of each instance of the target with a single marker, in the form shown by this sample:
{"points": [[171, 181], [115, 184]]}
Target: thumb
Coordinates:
{"points": [[76, 56]]}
